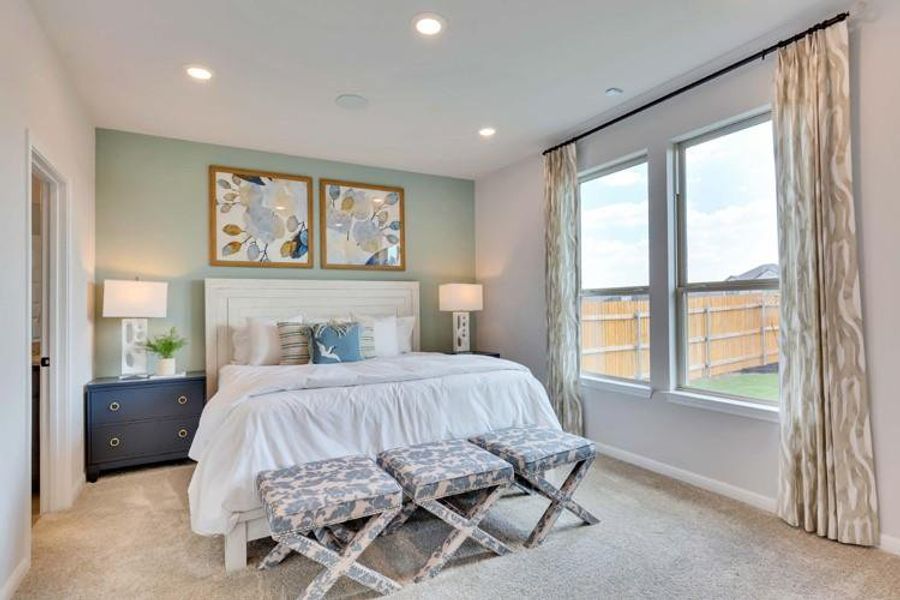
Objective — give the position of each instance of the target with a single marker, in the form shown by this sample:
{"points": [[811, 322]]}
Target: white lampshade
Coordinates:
{"points": [[134, 299], [460, 297]]}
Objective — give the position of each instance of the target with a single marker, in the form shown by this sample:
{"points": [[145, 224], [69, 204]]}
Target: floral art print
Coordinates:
{"points": [[259, 219], [362, 226]]}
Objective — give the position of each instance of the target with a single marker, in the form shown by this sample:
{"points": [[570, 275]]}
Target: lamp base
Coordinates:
{"points": [[460, 332], [134, 356]]}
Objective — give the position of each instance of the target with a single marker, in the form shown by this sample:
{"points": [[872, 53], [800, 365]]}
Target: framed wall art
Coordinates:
{"points": [[362, 226], [259, 219]]}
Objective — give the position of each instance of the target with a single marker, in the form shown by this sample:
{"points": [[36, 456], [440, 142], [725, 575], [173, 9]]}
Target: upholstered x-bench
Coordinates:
{"points": [[432, 473], [318, 498], [535, 450]]}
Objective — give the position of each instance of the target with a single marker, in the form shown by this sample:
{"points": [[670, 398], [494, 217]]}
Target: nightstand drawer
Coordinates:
{"points": [[148, 401], [132, 440]]}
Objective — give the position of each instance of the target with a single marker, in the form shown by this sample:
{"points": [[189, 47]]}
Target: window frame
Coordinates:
{"points": [[682, 286], [609, 168]]}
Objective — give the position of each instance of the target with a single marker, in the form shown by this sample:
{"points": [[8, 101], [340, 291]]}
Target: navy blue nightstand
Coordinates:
{"points": [[140, 421]]}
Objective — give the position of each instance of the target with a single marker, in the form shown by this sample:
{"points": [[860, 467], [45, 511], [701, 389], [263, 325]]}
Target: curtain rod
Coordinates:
{"points": [[735, 65]]}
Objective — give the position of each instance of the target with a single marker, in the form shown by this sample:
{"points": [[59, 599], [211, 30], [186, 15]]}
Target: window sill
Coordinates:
{"points": [[732, 406], [614, 385]]}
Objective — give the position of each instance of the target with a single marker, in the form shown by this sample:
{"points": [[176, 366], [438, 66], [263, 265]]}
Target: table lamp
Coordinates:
{"points": [[460, 298], [134, 302]]}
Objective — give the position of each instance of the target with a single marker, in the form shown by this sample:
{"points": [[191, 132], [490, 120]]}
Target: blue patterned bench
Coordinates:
{"points": [[319, 498], [534, 450], [431, 472]]}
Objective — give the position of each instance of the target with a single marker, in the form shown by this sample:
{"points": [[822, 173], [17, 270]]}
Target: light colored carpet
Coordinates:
{"points": [[128, 537]]}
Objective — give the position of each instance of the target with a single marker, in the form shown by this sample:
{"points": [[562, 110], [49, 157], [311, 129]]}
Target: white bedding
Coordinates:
{"points": [[276, 416]]}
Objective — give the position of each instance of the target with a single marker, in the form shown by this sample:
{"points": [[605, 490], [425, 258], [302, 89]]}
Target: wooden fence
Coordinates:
{"points": [[727, 332]]}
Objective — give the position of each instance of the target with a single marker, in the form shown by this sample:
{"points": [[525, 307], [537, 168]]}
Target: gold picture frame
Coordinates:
{"points": [[255, 218], [365, 225]]}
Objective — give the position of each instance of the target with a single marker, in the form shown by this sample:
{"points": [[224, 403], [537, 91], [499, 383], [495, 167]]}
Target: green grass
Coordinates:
{"points": [[763, 386]]}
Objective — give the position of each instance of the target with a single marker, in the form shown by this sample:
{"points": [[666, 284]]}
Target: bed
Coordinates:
{"points": [[265, 417]]}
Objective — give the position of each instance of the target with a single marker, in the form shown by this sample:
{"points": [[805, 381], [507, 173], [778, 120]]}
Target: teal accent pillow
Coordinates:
{"points": [[335, 343]]}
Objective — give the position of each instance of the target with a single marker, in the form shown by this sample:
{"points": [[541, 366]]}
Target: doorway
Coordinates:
{"points": [[40, 348], [46, 333]]}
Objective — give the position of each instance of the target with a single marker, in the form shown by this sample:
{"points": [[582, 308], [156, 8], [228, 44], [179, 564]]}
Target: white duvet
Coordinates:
{"points": [[271, 417]]}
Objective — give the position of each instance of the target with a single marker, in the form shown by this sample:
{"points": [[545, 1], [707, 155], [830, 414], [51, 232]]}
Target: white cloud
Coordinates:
{"points": [[731, 239], [623, 214], [625, 177], [612, 263]]}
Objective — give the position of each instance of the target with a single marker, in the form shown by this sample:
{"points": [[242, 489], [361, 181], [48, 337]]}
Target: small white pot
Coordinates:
{"points": [[165, 366]]}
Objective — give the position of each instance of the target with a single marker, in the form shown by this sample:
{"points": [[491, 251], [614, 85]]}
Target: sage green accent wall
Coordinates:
{"points": [[152, 222]]}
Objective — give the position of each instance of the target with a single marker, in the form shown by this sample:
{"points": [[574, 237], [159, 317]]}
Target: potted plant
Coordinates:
{"points": [[165, 346]]}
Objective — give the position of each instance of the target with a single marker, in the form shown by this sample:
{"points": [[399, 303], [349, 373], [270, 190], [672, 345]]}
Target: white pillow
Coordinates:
{"points": [[405, 327], [265, 345], [387, 338]]}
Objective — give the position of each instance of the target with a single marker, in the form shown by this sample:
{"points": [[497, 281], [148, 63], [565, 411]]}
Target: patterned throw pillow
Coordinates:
{"points": [[335, 343], [294, 338]]}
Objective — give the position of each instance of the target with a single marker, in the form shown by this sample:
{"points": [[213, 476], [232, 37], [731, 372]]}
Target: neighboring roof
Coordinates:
{"points": [[767, 271]]}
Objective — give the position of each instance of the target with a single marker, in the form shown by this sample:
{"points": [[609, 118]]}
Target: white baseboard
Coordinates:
{"points": [[890, 544], [887, 543], [707, 483], [9, 588]]}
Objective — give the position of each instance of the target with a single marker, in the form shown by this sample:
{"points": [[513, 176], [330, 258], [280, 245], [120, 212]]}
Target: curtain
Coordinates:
{"points": [[563, 286], [827, 478]]}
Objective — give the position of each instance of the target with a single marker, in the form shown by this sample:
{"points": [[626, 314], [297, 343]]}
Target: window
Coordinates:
{"points": [[615, 305], [727, 263]]}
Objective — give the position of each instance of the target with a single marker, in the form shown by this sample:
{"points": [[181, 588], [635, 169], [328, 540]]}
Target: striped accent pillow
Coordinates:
{"points": [[367, 338], [295, 340], [383, 334]]}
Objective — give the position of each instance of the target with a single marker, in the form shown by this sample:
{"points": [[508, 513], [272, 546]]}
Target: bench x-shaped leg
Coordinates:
{"points": [[334, 537], [405, 513], [275, 556], [343, 563], [464, 527], [560, 499]]}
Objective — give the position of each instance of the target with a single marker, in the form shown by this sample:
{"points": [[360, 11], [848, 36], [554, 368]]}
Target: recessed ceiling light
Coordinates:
{"points": [[613, 91], [487, 132], [429, 23], [198, 72], [352, 101]]}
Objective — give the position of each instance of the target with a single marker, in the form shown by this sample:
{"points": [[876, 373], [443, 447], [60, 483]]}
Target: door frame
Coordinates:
{"points": [[57, 486]]}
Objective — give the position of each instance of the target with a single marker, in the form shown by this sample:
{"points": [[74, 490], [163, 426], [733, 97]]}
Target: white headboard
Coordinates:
{"points": [[230, 302]]}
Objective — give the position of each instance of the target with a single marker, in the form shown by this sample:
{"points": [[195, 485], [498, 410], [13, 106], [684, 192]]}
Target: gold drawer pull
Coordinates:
{"points": [[114, 406], [114, 442], [182, 433], [182, 400]]}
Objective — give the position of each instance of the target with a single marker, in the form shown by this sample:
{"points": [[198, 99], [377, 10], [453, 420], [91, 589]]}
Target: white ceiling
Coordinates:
{"points": [[534, 69]]}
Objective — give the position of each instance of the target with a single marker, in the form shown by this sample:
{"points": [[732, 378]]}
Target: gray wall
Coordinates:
{"points": [[509, 242], [151, 220], [728, 453], [39, 101]]}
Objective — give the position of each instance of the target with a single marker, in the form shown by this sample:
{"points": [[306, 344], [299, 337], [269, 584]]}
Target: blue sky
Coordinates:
{"points": [[730, 214]]}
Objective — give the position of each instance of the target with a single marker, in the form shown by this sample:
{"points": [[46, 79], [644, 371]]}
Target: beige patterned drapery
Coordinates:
{"points": [[563, 286], [827, 477]]}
